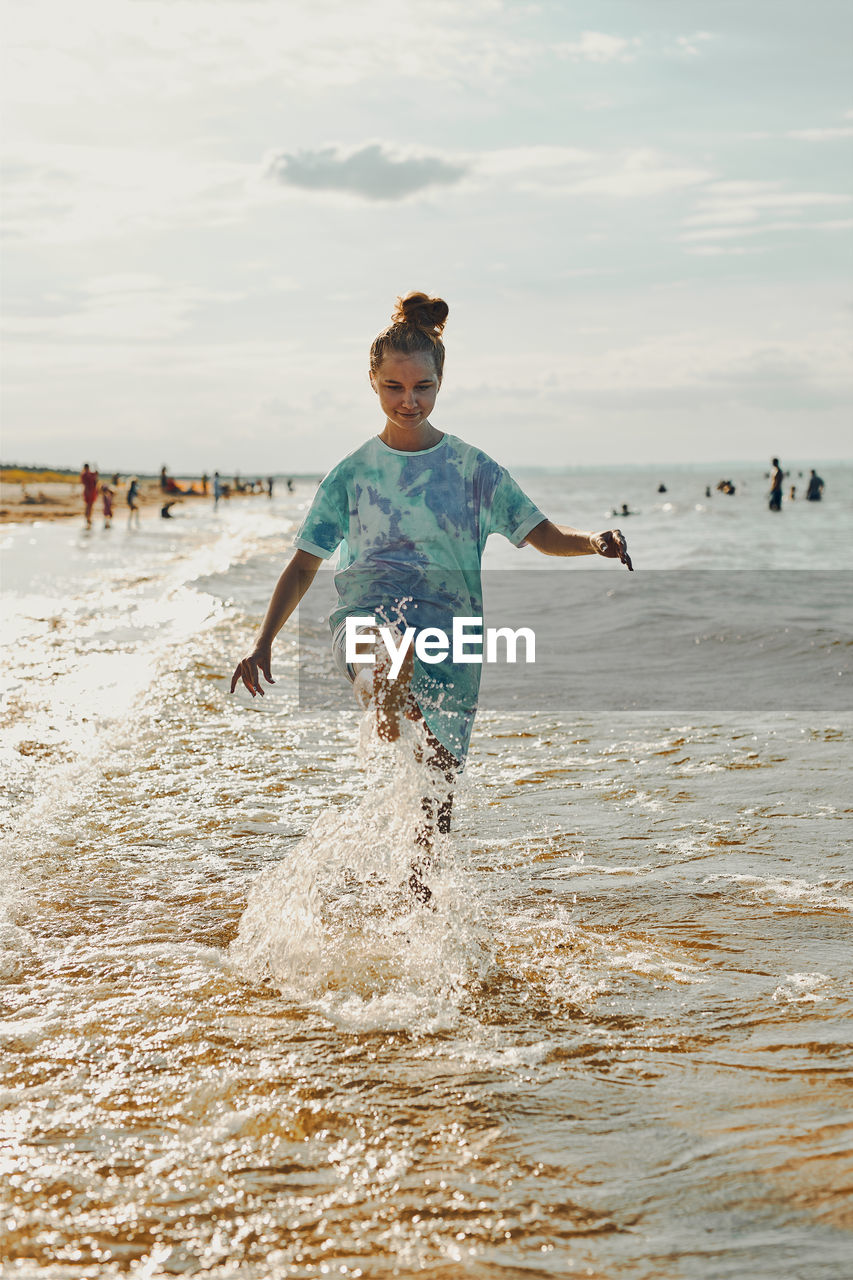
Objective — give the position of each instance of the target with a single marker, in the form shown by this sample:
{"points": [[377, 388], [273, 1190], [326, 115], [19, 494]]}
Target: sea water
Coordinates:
{"points": [[616, 1044]]}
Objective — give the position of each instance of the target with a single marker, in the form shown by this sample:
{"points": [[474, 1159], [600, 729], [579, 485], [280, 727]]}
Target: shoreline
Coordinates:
{"points": [[54, 501]]}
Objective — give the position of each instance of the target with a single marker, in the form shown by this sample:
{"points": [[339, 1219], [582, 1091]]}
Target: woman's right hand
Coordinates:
{"points": [[247, 671]]}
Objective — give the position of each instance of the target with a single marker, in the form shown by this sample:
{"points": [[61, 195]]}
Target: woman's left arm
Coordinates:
{"points": [[560, 540]]}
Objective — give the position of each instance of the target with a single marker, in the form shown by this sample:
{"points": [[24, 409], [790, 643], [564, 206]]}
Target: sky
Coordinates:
{"points": [[639, 212]]}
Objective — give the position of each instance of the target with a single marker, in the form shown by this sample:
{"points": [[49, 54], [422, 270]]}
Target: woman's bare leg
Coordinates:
{"points": [[392, 700], [436, 806], [390, 696]]}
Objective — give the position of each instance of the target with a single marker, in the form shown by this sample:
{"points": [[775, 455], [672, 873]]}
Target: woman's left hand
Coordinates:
{"points": [[612, 544]]}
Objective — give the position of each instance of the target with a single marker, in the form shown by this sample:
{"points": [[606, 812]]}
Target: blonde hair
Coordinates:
{"points": [[416, 326]]}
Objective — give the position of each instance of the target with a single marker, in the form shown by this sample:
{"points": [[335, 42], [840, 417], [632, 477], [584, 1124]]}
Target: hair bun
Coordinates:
{"points": [[421, 311]]}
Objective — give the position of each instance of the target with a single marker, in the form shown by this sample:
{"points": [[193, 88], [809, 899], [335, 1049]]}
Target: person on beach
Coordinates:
{"points": [[777, 477], [107, 500], [814, 492], [133, 502], [412, 509], [89, 480]]}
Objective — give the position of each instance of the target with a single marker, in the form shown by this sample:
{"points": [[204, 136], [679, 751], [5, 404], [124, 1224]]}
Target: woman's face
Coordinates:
{"points": [[407, 387]]}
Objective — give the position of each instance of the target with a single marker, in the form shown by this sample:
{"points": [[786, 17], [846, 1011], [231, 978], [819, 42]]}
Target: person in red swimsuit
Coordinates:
{"points": [[89, 481]]}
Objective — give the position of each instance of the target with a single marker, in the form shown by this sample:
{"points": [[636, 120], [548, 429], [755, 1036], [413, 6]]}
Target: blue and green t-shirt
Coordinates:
{"points": [[411, 529]]}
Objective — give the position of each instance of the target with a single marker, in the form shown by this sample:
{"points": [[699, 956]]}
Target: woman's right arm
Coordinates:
{"points": [[289, 590]]}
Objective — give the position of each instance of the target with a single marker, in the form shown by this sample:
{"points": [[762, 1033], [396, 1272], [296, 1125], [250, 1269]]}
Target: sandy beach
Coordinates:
{"points": [[63, 500]]}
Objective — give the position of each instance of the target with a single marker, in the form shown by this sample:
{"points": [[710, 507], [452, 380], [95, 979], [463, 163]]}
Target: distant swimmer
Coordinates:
{"points": [[793, 493], [395, 527], [89, 481], [776, 480], [707, 491], [661, 488], [814, 493], [726, 486], [624, 511]]}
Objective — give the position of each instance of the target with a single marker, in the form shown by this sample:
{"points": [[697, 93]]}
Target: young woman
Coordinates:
{"points": [[411, 510]]}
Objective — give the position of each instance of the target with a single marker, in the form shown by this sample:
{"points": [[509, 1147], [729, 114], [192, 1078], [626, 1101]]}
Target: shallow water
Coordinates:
{"points": [[618, 1047]]}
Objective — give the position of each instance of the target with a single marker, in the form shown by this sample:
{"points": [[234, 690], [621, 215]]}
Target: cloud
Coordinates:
{"points": [[821, 135], [373, 171], [623, 175], [719, 251], [62, 193], [690, 46], [766, 228], [120, 309], [376, 171], [826, 133], [109, 51], [601, 47], [732, 210], [690, 366], [597, 46]]}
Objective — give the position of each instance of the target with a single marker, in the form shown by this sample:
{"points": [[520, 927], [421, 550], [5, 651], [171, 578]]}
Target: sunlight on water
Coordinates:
{"points": [[614, 1043]]}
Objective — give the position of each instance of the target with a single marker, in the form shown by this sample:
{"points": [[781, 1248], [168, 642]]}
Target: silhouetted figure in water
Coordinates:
{"points": [[661, 488], [726, 486], [814, 493], [707, 491], [776, 479]]}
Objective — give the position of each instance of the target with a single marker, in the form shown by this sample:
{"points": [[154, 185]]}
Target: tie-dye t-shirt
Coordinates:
{"points": [[412, 528]]}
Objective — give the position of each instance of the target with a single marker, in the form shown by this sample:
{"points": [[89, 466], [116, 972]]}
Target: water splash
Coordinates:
{"points": [[336, 924]]}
